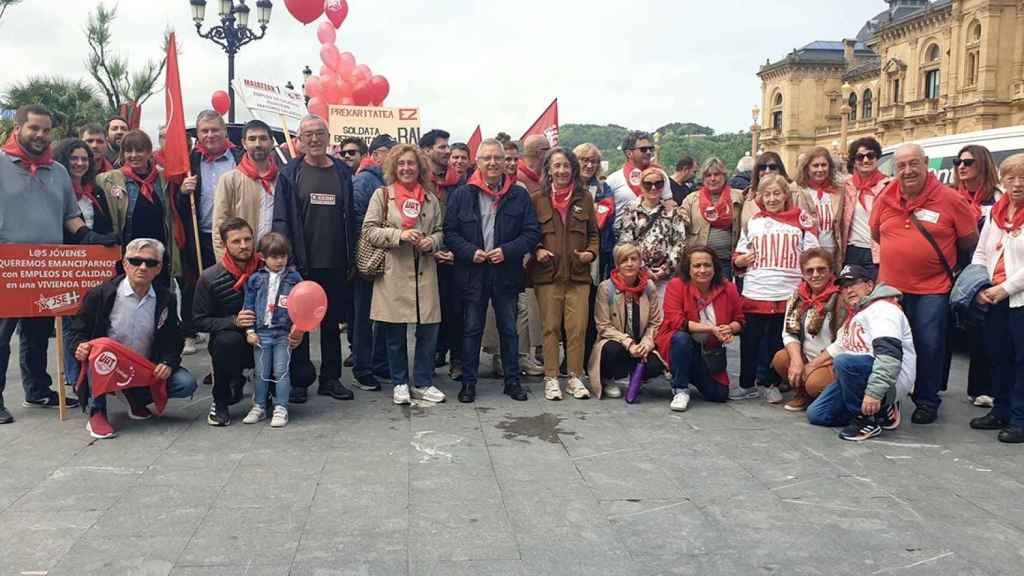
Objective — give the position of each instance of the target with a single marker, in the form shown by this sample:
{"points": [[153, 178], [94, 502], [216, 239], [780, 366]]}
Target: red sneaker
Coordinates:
{"points": [[137, 411], [99, 427]]}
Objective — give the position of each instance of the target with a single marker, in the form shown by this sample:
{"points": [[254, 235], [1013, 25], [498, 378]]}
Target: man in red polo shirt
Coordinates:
{"points": [[915, 218]]}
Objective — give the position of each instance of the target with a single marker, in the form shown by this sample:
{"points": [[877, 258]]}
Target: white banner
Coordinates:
{"points": [[270, 99]]}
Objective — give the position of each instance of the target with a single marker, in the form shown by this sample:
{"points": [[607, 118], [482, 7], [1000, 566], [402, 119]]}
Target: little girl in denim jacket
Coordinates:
{"points": [[266, 294]]}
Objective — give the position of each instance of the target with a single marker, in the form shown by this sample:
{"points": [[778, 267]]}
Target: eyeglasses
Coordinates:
{"points": [[869, 156], [645, 149], [647, 184], [347, 153], [486, 159], [963, 161], [816, 271], [590, 161], [148, 262], [769, 168]]}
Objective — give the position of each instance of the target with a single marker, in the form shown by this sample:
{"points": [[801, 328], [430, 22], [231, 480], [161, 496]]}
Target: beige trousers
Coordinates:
{"points": [[566, 304]]}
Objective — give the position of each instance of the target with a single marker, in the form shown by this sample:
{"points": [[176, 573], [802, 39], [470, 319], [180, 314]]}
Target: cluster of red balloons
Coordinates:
{"points": [[341, 79]]}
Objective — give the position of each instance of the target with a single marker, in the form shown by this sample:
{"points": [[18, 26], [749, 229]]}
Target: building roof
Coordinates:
{"points": [[868, 65], [899, 11], [826, 52]]}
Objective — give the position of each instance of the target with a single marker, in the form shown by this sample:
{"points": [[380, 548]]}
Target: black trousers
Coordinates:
{"points": [[187, 281], [617, 362], [761, 339], [452, 330], [979, 375], [334, 284], [231, 354]]}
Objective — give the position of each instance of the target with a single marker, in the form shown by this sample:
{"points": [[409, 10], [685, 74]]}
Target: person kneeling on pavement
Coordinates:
{"points": [[131, 311], [873, 359]]}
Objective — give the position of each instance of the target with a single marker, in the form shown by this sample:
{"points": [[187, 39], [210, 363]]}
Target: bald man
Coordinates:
{"points": [[531, 162]]}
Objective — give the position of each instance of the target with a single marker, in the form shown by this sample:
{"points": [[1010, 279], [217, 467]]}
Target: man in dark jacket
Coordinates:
{"points": [[132, 311], [313, 209], [490, 225]]}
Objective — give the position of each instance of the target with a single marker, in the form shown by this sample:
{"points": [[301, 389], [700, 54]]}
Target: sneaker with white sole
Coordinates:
{"points": [[401, 395], [256, 414], [431, 394], [577, 388], [741, 393], [680, 401], [528, 365], [610, 389], [773, 395], [190, 347], [984, 401], [552, 389], [280, 418]]}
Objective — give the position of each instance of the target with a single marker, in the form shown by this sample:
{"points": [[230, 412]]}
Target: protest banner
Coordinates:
{"points": [[51, 280], [368, 122], [266, 99]]}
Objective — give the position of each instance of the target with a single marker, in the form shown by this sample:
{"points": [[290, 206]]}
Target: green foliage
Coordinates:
{"points": [[110, 70], [674, 140], [72, 102]]}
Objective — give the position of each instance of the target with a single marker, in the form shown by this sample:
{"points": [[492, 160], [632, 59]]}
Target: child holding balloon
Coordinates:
{"points": [[266, 294]]}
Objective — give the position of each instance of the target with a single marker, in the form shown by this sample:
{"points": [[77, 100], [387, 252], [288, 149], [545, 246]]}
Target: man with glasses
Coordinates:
{"points": [[313, 209], [352, 152], [923, 229], [625, 183], [133, 312]]}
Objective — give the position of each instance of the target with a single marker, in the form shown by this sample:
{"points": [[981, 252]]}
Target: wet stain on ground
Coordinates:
{"points": [[544, 427], [484, 409]]}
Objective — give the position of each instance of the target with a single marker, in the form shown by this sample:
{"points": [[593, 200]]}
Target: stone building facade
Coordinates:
{"points": [[916, 70]]}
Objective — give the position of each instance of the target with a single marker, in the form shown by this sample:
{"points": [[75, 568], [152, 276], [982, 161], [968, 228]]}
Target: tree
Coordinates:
{"points": [[110, 70], [5, 4], [72, 102]]}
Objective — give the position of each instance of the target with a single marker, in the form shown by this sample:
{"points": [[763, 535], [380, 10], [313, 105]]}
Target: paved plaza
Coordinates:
{"points": [[365, 488]]}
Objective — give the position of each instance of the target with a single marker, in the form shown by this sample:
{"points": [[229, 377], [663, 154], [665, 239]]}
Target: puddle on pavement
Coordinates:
{"points": [[544, 427]]}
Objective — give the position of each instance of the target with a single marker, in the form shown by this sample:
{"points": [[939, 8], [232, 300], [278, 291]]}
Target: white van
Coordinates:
{"points": [[941, 151]]}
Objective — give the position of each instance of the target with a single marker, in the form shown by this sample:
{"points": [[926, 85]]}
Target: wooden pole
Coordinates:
{"points": [[195, 228], [288, 136], [61, 393]]}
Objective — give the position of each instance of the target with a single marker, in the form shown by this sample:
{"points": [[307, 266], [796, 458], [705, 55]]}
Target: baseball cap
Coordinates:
{"points": [[854, 273], [382, 141]]}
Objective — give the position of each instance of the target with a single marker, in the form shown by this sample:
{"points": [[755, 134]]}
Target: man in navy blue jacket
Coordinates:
{"points": [[490, 226]]}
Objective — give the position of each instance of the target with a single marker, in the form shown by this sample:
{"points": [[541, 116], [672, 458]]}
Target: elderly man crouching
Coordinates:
{"points": [[131, 311]]}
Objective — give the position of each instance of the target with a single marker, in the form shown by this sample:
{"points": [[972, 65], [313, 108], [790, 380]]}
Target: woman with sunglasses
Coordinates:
{"points": [[862, 188], [657, 230], [818, 181], [711, 217]]}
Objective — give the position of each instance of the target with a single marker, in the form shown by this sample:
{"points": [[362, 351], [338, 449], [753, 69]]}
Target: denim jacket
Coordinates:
{"points": [[256, 298]]}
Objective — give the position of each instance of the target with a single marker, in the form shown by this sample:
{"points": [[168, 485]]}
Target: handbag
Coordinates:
{"points": [[370, 258], [714, 358]]}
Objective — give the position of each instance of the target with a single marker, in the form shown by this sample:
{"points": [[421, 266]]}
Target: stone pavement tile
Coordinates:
{"points": [[351, 565], [243, 569], [102, 555], [268, 487], [470, 568], [35, 541], [586, 550], [148, 510], [344, 544], [79, 488], [185, 468], [236, 536], [628, 475], [301, 461], [662, 528]]}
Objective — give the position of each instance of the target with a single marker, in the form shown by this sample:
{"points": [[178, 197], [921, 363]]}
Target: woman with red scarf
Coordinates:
{"points": [[813, 316], [405, 218], [1001, 251], [627, 312], [711, 217], [140, 206], [866, 182], [703, 313], [817, 180]]}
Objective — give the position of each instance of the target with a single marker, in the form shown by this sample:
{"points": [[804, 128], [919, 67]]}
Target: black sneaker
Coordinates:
{"points": [[218, 416], [237, 391], [1012, 435], [5, 416], [862, 428], [347, 362], [988, 422], [890, 416], [298, 395], [368, 383], [924, 415], [51, 401], [334, 389], [515, 391], [440, 359]]}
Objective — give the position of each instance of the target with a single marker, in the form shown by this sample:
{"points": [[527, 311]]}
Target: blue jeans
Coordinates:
{"points": [[860, 257], [71, 365], [1005, 329], [181, 384], [273, 360], [396, 336], [369, 350], [842, 399], [689, 369], [929, 323], [34, 338], [506, 313]]}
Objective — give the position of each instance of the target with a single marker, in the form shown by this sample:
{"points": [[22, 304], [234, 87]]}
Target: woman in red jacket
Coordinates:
{"points": [[703, 312]]}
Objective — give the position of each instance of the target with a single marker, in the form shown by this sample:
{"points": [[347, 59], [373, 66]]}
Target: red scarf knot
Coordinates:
{"points": [[87, 191], [794, 217], [209, 157], [29, 162], [527, 173], [560, 198], [145, 184], [249, 169], [1001, 215], [241, 274], [892, 196], [865, 186], [409, 203], [477, 180], [718, 215], [632, 293]]}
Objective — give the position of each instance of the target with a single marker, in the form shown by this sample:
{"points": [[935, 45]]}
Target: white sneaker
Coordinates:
{"points": [[256, 414], [740, 393], [401, 395], [773, 395], [552, 390], [199, 338], [984, 401], [611, 389], [576, 387], [680, 402], [529, 366], [190, 347], [431, 394], [280, 419]]}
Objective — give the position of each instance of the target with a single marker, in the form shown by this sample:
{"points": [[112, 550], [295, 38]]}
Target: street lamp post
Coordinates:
{"points": [[844, 126], [233, 31], [306, 73], [755, 131]]}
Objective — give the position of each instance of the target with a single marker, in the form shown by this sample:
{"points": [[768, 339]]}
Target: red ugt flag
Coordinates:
{"points": [[112, 367], [474, 143], [175, 150], [546, 125]]}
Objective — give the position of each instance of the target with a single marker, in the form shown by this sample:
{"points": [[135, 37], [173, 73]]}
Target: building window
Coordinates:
{"points": [[931, 84], [853, 107], [778, 100], [972, 68], [974, 33], [866, 103], [933, 54], [777, 119], [897, 97]]}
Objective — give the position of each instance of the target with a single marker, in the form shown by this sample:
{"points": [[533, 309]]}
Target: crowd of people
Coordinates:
{"points": [[844, 286]]}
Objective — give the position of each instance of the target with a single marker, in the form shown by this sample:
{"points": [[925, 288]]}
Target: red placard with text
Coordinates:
{"points": [[51, 279]]}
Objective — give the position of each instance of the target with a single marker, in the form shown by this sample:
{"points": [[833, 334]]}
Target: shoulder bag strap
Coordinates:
{"points": [[935, 246]]}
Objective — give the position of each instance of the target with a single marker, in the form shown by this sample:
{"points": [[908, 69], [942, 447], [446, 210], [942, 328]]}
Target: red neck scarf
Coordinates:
{"points": [[85, 192], [249, 168], [409, 203], [631, 174], [477, 180], [560, 198], [865, 186], [822, 188], [893, 197], [242, 275], [699, 301], [368, 162], [208, 156], [718, 215], [527, 174], [808, 299], [106, 166], [1001, 212], [794, 217], [632, 293], [28, 162], [975, 198], [145, 184]]}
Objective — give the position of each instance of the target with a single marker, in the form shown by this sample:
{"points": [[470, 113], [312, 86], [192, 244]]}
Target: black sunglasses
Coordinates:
{"points": [[769, 168], [862, 157], [349, 152], [644, 149], [652, 185], [148, 262], [965, 161]]}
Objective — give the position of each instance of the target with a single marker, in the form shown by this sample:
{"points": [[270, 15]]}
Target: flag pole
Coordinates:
{"points": [[195, 229], [61, 393]]}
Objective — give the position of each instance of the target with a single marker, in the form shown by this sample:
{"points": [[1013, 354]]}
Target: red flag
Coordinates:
{"points": [[546, 125], [474, 143], [112, 367], [132, 112], [175, 150]]}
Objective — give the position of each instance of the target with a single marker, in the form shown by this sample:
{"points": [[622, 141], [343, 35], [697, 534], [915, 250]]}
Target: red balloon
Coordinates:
{"points": [[305, 11], [314, 87], [346, 63], [362, 93], [345, 88], [336, 11], [348, 101], [332, 90], [318, 107], [307, 305], [325, 33], [329, 56], [379, 88], [362, 72], [221, 102]]}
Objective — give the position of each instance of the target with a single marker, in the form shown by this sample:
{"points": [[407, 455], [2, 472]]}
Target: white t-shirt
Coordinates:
{"points": [[273, 287], [881, 319], [812, 346], [88, 211], [826, 218], [860, 232], [775, 274]]}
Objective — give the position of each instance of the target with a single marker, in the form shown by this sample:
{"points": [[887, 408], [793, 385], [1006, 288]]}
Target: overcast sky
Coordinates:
{"points": [[637, 64]]}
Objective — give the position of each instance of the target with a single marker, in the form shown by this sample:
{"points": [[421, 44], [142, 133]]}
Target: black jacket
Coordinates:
{"points": [[93, 321], [185, 207], [288, 221], [215, 303], [516, 232], [102, 224]]}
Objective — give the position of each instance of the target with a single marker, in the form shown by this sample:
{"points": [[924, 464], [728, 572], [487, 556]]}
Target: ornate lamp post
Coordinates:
{"points": [[755, 131], [233, 31], [844, 111], [306, 73]]}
